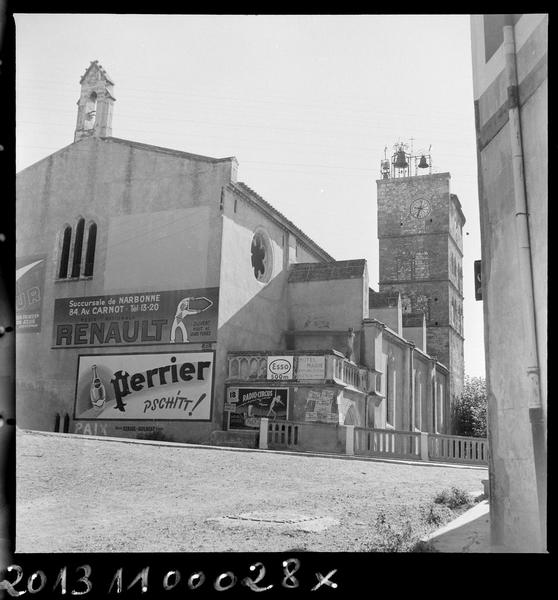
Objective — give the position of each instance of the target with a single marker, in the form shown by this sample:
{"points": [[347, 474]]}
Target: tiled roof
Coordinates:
{"points": [[245, 189], [340, 269], [382, 299], [413, 319]]}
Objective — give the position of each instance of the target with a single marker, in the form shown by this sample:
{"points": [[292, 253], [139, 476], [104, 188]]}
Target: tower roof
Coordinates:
{"points": [[95, 65]]}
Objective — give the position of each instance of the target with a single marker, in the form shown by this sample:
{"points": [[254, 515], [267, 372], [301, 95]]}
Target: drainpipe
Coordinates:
{"points": [[536, 417]]}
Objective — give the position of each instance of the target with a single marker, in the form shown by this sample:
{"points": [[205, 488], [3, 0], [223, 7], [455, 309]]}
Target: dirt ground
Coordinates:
{"points": [[87, 495]]}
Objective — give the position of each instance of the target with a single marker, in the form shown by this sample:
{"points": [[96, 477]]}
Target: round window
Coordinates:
{"points": [[262, 259]]}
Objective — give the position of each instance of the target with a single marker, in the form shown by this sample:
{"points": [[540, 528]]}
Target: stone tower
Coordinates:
{"points": [[421, 255], [95, 103]]}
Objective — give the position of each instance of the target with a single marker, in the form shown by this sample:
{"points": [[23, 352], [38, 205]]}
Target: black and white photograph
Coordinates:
{"points": [[281, 284]]}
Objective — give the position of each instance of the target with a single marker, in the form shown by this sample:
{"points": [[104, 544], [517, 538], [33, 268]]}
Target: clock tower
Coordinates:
{"points": [[420, 226]]}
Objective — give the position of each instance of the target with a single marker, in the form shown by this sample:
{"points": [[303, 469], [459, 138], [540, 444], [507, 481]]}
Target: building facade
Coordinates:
{"points": [[159, 297], [510, 58]]}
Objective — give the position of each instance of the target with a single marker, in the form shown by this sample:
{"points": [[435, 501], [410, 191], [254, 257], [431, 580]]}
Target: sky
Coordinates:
{"points": [[307, 104]]}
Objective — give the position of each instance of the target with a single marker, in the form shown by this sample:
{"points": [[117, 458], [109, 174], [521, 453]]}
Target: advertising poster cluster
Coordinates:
{"points": [[161, 386], [30, 278], [168, 317], [321, 406]]}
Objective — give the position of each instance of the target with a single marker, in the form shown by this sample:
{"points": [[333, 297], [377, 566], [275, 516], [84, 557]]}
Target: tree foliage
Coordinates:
{"points": [[469, 411]]}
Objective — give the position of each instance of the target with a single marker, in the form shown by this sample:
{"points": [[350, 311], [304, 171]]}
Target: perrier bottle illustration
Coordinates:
{"points": [[97, 391]]}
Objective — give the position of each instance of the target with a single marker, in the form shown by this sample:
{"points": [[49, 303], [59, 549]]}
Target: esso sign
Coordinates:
{"points": [[280, 368]]}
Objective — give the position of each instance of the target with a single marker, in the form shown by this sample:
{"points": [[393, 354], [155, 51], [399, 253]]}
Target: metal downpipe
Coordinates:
{"points": [[536, 417]]}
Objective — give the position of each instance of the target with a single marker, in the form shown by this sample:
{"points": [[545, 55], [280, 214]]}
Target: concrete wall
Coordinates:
{"points": [[515, 515], [417, 335], [113, 183], [333, 304], [319, 437]]}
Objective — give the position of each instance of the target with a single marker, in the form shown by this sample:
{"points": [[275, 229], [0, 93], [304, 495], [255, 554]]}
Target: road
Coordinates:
{"points": [[82, 494]]}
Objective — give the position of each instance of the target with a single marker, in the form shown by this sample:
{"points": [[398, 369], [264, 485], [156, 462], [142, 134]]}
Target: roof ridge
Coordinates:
{"points": [[165, 150], [305, 238]]}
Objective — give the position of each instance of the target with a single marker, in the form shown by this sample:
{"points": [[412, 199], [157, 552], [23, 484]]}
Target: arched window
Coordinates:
{"points": [[418, 399], [90, 111], [65, 254], [434, 407], [66, 423], [78, 244], [57, 422], [390, 395], [90, 251]]}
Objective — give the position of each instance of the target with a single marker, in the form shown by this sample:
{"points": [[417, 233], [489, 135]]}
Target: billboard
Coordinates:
{"points": [[30, 278], [181, 316], [249, 405], [162, 386]]}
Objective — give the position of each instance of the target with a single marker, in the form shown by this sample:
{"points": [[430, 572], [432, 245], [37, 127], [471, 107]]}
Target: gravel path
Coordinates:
{"points": [[89, 495]]}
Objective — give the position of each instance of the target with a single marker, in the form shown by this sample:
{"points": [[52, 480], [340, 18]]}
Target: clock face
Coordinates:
{"points": [[420, 208]]}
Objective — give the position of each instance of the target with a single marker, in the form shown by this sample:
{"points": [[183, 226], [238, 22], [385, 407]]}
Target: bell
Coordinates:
{"points": [[400, 160], [423, 164]]}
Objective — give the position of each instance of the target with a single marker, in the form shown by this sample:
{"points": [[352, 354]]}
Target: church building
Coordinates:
{"points": [[158, 297]]}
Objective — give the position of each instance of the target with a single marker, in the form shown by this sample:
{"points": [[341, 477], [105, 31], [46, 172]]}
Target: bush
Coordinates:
{"points": [[436, 514], [454, 498], [394, 538], [403, 532], [469, 410]]}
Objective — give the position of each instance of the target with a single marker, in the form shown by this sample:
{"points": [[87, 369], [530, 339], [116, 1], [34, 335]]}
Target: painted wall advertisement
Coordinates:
{"points": [[248, 405], [321, 406], [176, 387], [30, 278], [310, 367], [181, 317]]}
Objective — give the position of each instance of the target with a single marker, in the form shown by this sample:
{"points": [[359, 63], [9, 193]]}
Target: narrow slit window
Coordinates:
{"points": [[90, 252], [65, 255], [76, 267]]}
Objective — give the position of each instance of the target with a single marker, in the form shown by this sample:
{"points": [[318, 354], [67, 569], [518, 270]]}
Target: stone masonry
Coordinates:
{"points": [[421, 254]]}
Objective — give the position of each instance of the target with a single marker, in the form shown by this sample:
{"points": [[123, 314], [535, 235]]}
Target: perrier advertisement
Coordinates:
{"points": [[169, 317]]}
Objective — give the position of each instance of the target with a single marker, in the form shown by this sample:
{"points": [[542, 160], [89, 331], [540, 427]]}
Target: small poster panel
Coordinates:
{"points": [[320, 406], [167, 317], [310, 367], [168, 387], [30, 280], [255, 403], [279, 367]]}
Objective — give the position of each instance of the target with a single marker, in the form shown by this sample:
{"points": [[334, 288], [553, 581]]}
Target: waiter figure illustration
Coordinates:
{"points": [[184, 310]]}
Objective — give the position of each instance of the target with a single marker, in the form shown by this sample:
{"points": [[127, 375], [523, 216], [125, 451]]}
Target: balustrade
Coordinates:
{"points": [[454, 448]]}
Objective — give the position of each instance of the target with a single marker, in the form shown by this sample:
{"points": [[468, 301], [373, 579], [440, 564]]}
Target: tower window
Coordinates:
{"points": [[78, 244], [65, 254], [90, 252], [90, 112]]}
